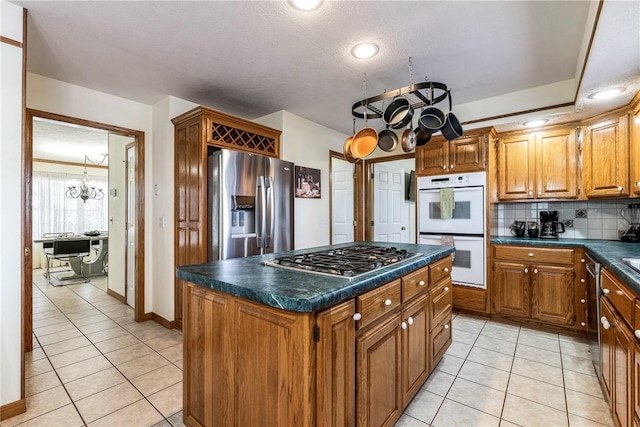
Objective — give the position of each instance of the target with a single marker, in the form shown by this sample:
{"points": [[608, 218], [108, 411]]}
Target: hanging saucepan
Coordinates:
{"points": [[346, 148], [421, 137], [431, 119], [387, 140], [365, 141], [398, 114], [452, 128], [408, 140]]}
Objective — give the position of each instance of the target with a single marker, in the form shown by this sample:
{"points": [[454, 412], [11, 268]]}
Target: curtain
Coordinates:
{"points": [[53, 212]]}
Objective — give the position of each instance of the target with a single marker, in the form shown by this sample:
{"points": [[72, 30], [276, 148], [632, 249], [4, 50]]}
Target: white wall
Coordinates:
{"points": [[58, 97], [306, 143], [10, 199]]}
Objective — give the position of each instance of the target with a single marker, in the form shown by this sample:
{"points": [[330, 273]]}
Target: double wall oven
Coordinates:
{"points": [[464, 228]]}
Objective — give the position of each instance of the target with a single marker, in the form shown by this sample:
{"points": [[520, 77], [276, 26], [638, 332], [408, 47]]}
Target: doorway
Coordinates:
{"points": [[342, 191], [136, 180]]}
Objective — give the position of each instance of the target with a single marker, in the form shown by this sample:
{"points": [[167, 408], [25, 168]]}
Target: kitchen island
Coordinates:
{"points": [[277, 347]]}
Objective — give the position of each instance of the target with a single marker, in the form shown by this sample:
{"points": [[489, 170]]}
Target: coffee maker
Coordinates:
{"points": [[632, 214], [549, 225]]}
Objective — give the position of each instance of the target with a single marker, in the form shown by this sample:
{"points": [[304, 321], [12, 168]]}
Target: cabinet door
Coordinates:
{"points": [[623, 361], [607, 321], [556, 164], [433, 158], [552, 294], [634, 151], [441, 301], [636, 385], [606, 159], [379, 399], [516, 168], [511, 282], [336, 366], [415, 347], [467, 154]]}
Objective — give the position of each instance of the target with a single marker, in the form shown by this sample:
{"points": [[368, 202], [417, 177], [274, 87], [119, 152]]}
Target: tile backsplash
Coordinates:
{"points": [[593, 219]]}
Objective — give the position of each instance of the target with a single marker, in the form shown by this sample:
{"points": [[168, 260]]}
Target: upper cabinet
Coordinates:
{"points": [[466, 154], [634, 151], [605, 170], [538, 165]]}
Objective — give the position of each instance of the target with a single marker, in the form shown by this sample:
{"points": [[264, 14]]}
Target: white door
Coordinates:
{"points": [[131, 225], [388, 204], [341, 201]]}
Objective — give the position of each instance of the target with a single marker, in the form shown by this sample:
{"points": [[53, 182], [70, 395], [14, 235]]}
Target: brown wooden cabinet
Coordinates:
{"points": [[636, 384], [466, 154], [415, 347], [605, 170], [539, 284], [538, 165], [634, 151], [195, 132]]}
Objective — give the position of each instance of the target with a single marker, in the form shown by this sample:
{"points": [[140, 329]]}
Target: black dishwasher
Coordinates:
{"points": [[593, 293]]}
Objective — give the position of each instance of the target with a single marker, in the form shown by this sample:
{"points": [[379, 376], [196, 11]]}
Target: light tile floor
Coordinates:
{"points": [[92, 364]]}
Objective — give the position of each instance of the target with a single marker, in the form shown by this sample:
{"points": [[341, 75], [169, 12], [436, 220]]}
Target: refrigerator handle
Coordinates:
{"points": [[270, 217], [260, 212]]}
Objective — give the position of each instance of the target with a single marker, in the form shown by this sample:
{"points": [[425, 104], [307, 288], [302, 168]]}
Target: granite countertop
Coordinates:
{"points": [[297, 290], [607, 252]]}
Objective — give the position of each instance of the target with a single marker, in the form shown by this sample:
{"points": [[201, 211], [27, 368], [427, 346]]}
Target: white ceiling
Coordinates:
{"points": [[252, 58]]}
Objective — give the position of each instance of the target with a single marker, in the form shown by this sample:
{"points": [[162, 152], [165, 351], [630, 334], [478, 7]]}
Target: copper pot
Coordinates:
{"points": [[364, 142], [346, 149]]}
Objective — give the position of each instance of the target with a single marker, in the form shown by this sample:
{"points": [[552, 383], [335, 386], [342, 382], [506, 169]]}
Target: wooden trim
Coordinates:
{"points": [[586, 56], [59, 162], [26, 274], [404, 156], [12, 42], [116, 295], [519, 113], [12, 409], [359, 201], [169, 324], [83, 122]]}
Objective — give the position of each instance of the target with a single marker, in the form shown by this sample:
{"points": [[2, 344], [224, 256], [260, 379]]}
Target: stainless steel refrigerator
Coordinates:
{"points": [[250, 201]]}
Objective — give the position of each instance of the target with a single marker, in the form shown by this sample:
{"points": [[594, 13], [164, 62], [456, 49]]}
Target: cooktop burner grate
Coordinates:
{"points": [[348, 262]]}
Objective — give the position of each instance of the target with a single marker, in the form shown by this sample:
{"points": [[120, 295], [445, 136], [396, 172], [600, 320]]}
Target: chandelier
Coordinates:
{"points": [[86, 191]]}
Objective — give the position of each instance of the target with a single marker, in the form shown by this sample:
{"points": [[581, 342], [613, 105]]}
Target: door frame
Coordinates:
{"points": [[27, 218], [368, 189]]}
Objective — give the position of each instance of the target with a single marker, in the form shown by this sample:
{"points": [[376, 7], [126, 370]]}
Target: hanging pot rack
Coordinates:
{"points": [[418, 94]]}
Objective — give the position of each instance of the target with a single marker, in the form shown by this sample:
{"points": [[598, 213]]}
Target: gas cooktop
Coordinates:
{"points": [[348, 262]]}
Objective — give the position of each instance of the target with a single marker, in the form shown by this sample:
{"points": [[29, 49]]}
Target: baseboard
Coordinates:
{"points": [[12, 409], [169, 324], [117, 296]]}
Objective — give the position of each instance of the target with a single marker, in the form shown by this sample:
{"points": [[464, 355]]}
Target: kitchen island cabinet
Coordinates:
{"points": [[273, 347]]}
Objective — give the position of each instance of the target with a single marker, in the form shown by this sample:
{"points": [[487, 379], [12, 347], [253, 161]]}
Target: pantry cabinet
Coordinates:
{"points": [[539, 284], [465, 154], [605, 170], [538, 165]]}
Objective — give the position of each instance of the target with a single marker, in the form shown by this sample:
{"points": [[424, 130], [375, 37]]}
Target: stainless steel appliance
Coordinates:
{"points": [[549, 225], [593, 295], [632, 214], [464, 228], [348, 262], [250, 200]]}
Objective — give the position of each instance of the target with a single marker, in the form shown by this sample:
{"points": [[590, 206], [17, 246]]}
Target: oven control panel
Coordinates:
{"points": [[458, 180]]}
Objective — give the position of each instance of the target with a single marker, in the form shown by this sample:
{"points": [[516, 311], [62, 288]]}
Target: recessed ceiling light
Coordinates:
{"points": [[306, 5], [535, 123], [607, 93], [365, 50]]}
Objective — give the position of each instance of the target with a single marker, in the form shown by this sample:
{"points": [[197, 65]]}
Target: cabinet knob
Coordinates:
{"points": [[444, 167], [446, 269], [637, 333], [387, 302], [605, 291], [410, 320], [421, 283], [446, 288], [620, 188], [583, 301], [581, 280], [539, 193], [530, 254], [582, 260], [583, 324], [535, 271], [605, 322], [526, 270], [531, 193], [357, 316], [638, 184], [446, 326], [403, 325], [451, 166]]}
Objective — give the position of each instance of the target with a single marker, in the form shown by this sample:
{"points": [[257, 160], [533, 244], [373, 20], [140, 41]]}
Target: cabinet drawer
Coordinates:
{"points": [[376, 302], [439, 270], [619, 296], [440, 341], [636, 321], [441, 301], [414, 283], [533, 254]]}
